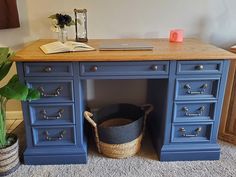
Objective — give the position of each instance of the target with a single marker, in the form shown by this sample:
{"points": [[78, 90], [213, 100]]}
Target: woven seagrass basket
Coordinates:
{"points": [[119, 128]]}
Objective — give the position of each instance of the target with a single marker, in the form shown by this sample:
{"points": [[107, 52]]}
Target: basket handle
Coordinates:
{"points": [[147, 108], [88, 116]]}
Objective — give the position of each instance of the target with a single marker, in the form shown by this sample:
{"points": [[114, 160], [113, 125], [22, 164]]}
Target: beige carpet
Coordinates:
{"points": [[144, 164]]}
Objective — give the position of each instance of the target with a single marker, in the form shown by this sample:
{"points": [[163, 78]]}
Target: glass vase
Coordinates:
{"points": [[62, 35]]}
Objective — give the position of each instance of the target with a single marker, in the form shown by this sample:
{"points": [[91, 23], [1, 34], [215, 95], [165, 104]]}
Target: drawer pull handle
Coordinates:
{"points": [[154, 67], [199, 67], [58, 116], [57, 92], [195, 134], [198, 113], [94, 68], [56, 138], [47, 69], [201, 91]]}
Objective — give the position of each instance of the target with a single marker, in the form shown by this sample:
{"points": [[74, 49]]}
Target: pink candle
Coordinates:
{"points": [[176, 35]]}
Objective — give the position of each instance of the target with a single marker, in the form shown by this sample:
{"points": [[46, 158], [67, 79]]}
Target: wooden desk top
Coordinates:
{"points": [[190, 49]]}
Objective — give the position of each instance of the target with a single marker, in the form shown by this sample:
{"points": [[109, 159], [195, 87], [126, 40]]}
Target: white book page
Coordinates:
{"points": [[54, 47], [78, 46], [69, 46]]}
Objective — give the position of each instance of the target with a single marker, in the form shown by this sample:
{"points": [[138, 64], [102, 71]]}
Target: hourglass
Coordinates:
{"points": [[81, 25]]}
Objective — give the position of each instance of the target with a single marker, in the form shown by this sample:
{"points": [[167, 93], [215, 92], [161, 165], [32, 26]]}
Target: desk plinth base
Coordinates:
{"points": [[55, 159], [210, 153], [50, 156]]}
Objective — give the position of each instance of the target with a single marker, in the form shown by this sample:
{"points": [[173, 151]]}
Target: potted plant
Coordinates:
{"points": [[14, 89]]}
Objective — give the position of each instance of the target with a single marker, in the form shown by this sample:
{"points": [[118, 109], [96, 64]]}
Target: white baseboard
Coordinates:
{"points": [[14, 115]]}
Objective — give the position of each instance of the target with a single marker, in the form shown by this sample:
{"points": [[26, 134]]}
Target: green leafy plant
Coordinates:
{"points": [[14, 89]]}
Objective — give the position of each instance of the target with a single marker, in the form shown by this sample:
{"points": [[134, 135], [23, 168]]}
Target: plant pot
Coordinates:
{"points": [[9, 157]]}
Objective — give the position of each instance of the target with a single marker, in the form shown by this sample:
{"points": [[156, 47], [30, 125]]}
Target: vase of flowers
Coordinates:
{"points": [[59, 24]]}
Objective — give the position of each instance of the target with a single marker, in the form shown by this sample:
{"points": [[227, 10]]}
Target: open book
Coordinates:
{"points": [[69, 46]]}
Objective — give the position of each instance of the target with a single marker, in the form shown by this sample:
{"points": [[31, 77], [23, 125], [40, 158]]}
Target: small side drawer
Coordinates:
{"points": [[52, 114], [56, 136], [197, 111], [124, 68], [196, 88], [48, 69], [199, 67], [53, 90], [186, 133]]}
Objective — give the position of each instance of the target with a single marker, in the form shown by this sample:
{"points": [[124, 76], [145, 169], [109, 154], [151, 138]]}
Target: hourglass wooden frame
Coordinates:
{"points": [[79, 25]]}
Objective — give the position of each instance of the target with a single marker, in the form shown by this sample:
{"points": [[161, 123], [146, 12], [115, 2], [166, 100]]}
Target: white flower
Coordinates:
{"points": [[54, 21], [54, 27]]}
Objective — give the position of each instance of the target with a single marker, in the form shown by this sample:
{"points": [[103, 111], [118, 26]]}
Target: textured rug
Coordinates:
{"points": [[144, 164]]}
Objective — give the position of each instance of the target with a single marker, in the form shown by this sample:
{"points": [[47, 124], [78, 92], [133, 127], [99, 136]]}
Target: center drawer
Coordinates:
{"points": [[52, 114], [124, 68], [54, 136]]}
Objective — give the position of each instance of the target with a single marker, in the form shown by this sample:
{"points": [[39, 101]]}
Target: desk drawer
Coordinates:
{"points": [[56, 136], [53, 90], [197, 88], [186, 133], [48, 69], [124, 68], [199, 67], [194, 111], [52, 114]]}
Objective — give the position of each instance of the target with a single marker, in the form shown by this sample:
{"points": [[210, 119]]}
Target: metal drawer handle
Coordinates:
{"points": [[57, 138], [199, 67], [58, 116], [57, 92], [198, 113], [94, 68], [47, 69], [201, 91], [154, 67], [196, 132]]}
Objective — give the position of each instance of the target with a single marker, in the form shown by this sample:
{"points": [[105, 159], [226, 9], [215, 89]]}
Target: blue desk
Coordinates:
{"points": [[185, 86]]}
